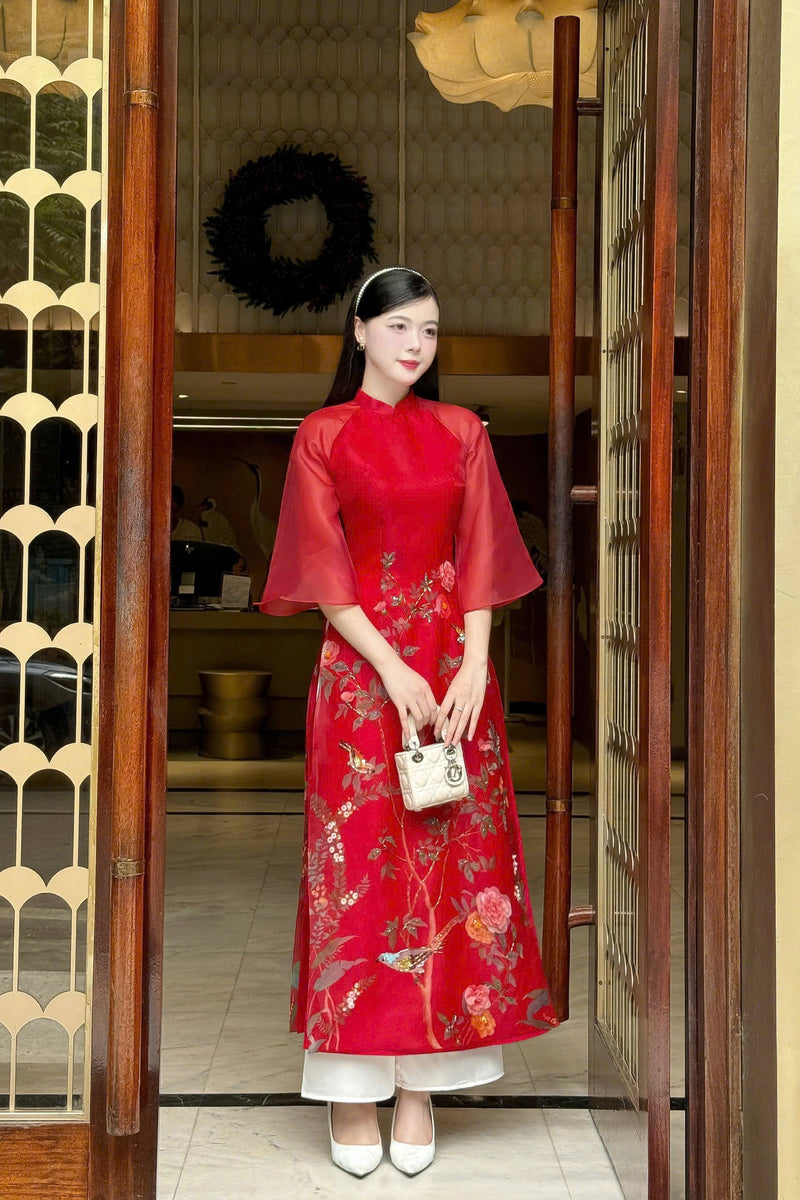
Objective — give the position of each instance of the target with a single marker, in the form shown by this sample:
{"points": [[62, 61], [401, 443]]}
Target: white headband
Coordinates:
{"points": [[383, 271]]}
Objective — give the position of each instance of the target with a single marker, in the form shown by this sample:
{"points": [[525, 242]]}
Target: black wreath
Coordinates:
{"points": [[242, 248]]}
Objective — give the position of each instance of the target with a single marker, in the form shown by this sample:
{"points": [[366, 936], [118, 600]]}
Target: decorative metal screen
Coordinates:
{"points": [[623, 274], [51, 266]]}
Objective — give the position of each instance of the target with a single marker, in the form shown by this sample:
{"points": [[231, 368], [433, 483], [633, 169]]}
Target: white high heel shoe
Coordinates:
{"points": [[409, 1158], [358, 1160]]}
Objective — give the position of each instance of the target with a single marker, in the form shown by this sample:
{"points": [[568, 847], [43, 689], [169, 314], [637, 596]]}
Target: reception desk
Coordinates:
{"points": [[208, 639]]}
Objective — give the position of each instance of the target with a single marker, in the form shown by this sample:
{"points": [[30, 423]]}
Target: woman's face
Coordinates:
{"points": [[400, 344]]}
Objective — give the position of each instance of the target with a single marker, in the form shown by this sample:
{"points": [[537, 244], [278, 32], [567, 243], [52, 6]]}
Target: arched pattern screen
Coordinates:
{"points": [[52, 136]]}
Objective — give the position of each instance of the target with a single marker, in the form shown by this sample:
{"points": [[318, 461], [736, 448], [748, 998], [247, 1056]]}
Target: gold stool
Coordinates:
{"points": [[234, 713]]}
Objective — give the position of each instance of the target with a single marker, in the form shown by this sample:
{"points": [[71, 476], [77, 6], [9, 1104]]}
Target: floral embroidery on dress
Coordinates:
{"points": [[490, 746], [366, 702], [489, 925], [477, 930], [477, 1001], [412, 854], [447, 573], [494, 909], [449, 663], [405, 942], [539, 1013], [417, 600], [331, 897], [477, 998]]}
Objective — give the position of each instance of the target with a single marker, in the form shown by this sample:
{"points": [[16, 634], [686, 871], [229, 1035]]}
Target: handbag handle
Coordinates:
{"points": [[413, 740]]}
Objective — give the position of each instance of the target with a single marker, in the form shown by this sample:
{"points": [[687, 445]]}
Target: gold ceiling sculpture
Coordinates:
{"points": [[501, 51]]}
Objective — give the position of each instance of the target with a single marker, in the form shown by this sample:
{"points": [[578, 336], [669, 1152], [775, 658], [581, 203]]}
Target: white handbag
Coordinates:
{"points": [[432, 774]]}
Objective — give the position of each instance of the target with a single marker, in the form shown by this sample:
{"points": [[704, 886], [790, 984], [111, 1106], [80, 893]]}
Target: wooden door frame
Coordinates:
{"points": [[759, 1117], [713, 1140], [731, 1050], [142, 123], [72, 1159], [637, 1134]]}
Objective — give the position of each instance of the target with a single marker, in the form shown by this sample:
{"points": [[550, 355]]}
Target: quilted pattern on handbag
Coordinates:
{"points": [[439, 775]]}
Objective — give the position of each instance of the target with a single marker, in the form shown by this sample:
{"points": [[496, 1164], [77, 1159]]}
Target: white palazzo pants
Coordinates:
{"points": [[367, 1078]]}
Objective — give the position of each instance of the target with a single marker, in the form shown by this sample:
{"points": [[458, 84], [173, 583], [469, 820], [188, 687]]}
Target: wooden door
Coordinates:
{"points": [[87, 99], [637, 177]]}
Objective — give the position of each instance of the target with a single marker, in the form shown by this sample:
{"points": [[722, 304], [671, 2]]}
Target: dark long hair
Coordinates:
{"points": [[386, 291]]}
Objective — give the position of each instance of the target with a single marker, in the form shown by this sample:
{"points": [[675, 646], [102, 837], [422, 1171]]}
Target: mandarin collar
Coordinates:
{"points": [[382, 406]]}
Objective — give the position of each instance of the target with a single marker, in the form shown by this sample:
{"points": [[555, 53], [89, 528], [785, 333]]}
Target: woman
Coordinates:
{"points": [[416, 955]]}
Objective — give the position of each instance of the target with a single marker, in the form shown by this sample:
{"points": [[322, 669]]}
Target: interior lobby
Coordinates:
{"points": [[461, 192]]}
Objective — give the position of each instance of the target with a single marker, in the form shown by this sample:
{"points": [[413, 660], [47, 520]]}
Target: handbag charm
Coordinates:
{"points": [[432, 774]]}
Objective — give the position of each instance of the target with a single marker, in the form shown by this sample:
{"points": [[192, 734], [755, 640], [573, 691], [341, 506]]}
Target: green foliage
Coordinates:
{"points": [[60, 221]]}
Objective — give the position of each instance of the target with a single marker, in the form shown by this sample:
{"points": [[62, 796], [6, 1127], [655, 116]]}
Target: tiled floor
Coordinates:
{"points": [[254, 1153], [232, 867]]}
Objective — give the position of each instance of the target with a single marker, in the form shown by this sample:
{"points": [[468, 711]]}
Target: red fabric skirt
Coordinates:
{"points": [[414, 930]]}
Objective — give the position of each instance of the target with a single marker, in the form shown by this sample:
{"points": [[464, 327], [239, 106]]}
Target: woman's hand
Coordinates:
{"points": [[410, 693], [463, 701]]}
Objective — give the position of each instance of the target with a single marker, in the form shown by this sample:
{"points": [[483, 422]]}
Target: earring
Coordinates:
{"points": [[361, 346]]}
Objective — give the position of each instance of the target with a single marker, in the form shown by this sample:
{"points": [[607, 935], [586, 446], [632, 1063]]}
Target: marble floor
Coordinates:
{"points": [[232, 867]]}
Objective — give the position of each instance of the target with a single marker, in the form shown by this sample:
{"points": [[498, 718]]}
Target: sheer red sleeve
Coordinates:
{"points": [[493, 567], [311, 563]]}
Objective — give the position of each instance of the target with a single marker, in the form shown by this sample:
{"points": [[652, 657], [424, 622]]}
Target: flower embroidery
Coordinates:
{"points": [[330, 650], [490, 746], [335, 846], [364, 697], [477, 930], [476, 989], [477, 998], [447, 575], [483, 1024], [518, 892], [494, 909]]}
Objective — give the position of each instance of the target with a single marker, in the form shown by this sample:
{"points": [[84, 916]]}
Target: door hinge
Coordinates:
{"points": [[141, 97], [582, 914], [127, 868], [590, 106]]}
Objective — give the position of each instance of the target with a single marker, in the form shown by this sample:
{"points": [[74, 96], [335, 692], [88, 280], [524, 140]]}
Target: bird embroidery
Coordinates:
{"points": [[356, 759], [413, 958]]}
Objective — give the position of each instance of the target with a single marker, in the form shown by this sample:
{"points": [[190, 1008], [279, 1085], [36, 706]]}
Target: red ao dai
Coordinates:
{"points": [[414, 930]]}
